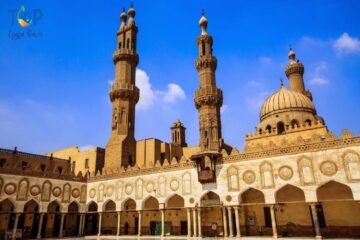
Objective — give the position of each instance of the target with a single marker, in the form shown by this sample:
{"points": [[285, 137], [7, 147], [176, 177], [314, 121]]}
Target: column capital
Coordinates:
{"points": [[228, 207]]}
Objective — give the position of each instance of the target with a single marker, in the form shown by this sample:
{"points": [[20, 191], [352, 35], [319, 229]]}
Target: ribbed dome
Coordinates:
{"points": [[286, 100]]}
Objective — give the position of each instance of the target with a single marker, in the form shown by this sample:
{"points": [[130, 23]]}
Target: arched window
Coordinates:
{"points": [[133, 44], [268, 128], [308, 122], [128, 43], [294, 124], [2, 162], [203, 48], [260, 131], [119, 45], [130, 160], [280, 127]]}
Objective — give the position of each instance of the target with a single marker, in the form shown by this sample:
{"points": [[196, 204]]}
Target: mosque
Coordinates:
{"points": [[294, 178]]}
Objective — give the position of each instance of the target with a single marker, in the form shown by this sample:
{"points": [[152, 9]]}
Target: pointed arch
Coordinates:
{"points": [[150, 203], [209, 198], [46, 191], [252, 195], [333, 190], [289, 193], [7, 205], [66, 193], [128, 204], [31, 206], [74, 207], [186, 183], [233, 178], [92, 206], [175, 201], [109, 206], [54, 206]]}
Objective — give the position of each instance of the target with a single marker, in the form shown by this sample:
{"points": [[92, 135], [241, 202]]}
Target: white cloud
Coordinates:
{"points": [[224, 108], [110, 82], [86, 147], [174, 93], [319, 81], [346, 44], [322, 66], [147, 95]]}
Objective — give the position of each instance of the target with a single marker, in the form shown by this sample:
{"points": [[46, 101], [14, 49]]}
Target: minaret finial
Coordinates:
{"points": [[281, 81], [203, 12], [290, 48], [203, 23], [132, 4]]}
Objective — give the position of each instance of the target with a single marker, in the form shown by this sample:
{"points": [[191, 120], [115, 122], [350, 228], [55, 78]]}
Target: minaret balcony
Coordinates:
{"points": [[124, 54], [206, 62], [132, 92], [208, 96]]}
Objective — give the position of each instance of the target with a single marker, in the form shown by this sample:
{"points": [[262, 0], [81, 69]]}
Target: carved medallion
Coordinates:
{"points": [[109, 191], [10, 188], [34, 190], [128, 188], [92, 193], [191, 200], [328, 168], [75, 193], [249, 177], [228, 198], [56, 191], [150, 187], [285, 172], [174, 184]]}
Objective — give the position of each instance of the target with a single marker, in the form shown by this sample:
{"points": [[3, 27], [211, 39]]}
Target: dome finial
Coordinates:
{"points": [[281, 81], [291, 54], [131, 13], [203, 23]]}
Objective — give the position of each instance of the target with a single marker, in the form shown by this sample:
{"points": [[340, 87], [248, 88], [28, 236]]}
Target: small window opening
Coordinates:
{"points": [[280, 127]]}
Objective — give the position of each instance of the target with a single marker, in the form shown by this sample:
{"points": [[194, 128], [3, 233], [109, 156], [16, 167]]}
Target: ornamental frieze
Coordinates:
{"points": [[120, 55], [208, 96], [124, 93]]}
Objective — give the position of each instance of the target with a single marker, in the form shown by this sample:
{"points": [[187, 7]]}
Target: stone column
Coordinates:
{"points": [[17, 215], [61, 225], [273, 221], [194, 222], [83, 224], [316, 221], [237, 222], [80, 224], [118, 223], [139, 224], [162, 222], [40, 226], [189, 221], [199, 222], [100, 220], [225, 222], [231, 228]]}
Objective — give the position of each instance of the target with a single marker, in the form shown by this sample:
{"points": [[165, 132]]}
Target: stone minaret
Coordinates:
{"points": [[208, 98], [121, 147], [295, 72]]}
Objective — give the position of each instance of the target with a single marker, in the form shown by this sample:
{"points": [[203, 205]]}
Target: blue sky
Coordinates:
{"points": [[54, 87]]}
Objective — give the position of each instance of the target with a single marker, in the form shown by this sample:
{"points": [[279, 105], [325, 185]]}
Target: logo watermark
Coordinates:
{"points": [[25, 18]]}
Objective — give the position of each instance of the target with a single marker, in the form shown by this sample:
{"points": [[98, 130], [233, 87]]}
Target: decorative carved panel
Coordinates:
{"points": [[23, 189], [233, 179], [35, 190], [174, 184], [128, 188], [249, 177], [101, 193], [286, 173], [75, 193], [56, 191], [328, 168], [267, 177], [306, 172], [10, 188], [139, 189], [92, 193], [66, 193], [186, 184], [83, 194], [109, 191], [352, 166], [119, 190], [161, 187]]}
